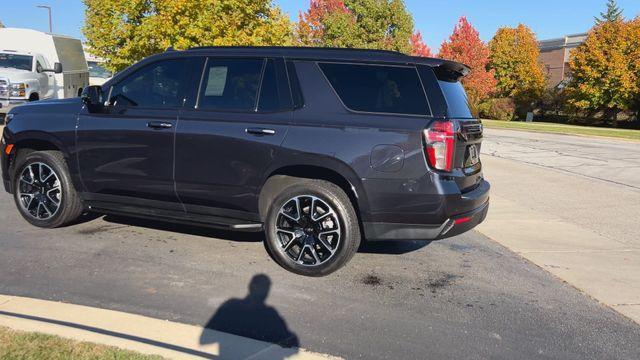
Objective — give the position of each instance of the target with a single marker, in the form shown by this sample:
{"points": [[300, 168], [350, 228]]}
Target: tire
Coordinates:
{"points": [[327, 238], [36, 199]]}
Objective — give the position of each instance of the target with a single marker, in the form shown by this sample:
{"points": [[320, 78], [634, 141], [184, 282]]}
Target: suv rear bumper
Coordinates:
{"points": [[468, 210], [452, 227]]}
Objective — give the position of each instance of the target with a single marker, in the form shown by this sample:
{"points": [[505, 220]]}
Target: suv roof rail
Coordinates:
{"points": [[390, 52]]}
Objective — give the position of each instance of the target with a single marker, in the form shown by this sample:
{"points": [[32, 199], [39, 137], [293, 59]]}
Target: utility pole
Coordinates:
{"points": [[50, 20]]}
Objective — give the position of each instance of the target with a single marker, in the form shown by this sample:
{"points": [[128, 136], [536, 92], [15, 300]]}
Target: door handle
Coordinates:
{"points": [[260, 131], [159, 125]]}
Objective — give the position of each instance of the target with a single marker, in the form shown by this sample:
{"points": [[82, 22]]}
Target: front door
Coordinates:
{"points": [[125, 152], [226, 141]]}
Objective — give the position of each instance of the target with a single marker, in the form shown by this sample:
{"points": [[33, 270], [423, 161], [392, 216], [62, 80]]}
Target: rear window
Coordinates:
{"points": [[457, 101], [454, 93], [378, 88]]}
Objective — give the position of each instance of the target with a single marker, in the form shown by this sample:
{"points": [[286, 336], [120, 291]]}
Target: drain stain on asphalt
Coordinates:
{"points": [[371, 280], [441, 282]]}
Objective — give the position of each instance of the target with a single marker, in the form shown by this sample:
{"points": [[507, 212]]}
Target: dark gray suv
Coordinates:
{"points": [[318, 148]]}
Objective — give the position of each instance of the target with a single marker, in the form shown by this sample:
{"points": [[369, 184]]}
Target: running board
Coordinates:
{"points": [[179, 217]]}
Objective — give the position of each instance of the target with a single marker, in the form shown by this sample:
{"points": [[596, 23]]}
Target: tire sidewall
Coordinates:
{"points": [[65, 183], [346, 217]]}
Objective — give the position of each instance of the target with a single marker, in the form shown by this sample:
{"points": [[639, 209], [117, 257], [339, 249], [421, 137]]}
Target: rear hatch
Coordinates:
{"points": [[467, 132]]}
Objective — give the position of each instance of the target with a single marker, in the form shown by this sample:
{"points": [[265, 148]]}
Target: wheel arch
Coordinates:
{"points": [[286, 174], [36, 141]]}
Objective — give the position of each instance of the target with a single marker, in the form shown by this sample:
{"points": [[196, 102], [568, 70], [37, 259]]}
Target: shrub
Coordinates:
{"points": [[497, 109]]}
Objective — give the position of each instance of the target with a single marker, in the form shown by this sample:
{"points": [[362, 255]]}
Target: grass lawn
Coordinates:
{"points": [[32, 346], [564, 129]]}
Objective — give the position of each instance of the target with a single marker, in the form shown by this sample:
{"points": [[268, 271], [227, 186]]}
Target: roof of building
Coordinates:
{"points": [[572, 40]]}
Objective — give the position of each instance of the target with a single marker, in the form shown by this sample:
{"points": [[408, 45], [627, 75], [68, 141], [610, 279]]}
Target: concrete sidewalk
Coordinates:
{"points": [[583, 230], [138, 333]]}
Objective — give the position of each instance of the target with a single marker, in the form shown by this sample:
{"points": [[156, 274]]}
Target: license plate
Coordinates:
{"points": [[474, 156]]}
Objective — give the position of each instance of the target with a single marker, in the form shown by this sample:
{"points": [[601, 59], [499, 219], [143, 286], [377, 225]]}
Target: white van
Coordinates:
{"points": [[98, 74], [35, 65]]}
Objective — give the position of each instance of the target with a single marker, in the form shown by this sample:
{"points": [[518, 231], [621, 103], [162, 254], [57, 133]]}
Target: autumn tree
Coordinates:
{"points": [[123, 32], [326, 23], [465, 46], [418, 46], [372, 24], [605, 70], [514, 58], [613, 13]]}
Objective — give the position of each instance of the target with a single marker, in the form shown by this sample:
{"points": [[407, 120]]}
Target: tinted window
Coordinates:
{"points": [[269, 93], [457, 102], [231, 84], [379, 89], [96, 70], [158, 85]]}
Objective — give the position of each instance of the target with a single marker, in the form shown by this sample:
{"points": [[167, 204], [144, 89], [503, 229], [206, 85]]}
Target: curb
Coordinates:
{"points": [[137, 333]]}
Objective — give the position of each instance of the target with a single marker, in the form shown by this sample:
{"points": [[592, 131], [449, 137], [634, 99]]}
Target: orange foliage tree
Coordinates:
{"points": [[605, 70], [514, 57], [465, 46], [418, 46]]}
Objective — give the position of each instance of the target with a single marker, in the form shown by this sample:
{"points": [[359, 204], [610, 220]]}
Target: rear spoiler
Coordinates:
{"points": [[445, 69]]}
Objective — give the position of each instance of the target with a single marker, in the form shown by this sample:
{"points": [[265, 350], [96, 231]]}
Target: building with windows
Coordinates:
{"points": [[555, 55]]}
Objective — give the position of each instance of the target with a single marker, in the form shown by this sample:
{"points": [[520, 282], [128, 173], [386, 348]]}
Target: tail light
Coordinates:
{"points": [[440, 143]]}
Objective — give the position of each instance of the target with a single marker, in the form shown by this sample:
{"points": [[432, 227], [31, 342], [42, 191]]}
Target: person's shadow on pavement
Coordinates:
{"points": [[251, 317]]}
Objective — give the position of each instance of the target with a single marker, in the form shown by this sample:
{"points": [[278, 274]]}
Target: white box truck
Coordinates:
{"points": [[35, 65]]}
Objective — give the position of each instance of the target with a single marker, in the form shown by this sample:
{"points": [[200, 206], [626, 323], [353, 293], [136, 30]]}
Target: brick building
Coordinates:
{"points": [[554, 55]]}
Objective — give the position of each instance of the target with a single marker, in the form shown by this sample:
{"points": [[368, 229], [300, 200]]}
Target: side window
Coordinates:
{"points": [[231, 84], [39, 67], [158, 85], [378, 88]]}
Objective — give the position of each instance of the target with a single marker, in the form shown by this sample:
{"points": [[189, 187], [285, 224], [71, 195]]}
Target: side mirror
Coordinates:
{"points": [[57, 68], [92, 97]]}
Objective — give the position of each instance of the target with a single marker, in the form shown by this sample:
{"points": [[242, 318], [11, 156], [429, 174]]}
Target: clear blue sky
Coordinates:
{"points": [[435, 18]]}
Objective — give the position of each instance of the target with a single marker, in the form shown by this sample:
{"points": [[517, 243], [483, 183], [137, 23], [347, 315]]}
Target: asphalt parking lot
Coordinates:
{"points": [[466, 297]]}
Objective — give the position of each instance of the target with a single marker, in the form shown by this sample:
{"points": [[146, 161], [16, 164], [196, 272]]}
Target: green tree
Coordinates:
{"points": [[613, 13], [1, 25], [372, 24], [514, 57], [125, 31], [605, 70]]}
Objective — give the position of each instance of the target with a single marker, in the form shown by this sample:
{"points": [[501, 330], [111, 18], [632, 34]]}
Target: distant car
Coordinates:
{"points": [[318, 148], [36, 65]]}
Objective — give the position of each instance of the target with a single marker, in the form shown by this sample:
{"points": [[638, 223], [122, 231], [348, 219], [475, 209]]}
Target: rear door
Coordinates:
{"points": [[125, 152], [227, 139]]}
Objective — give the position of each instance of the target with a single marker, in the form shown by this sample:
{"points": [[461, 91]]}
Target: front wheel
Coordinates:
{"points": [[312, 228], [43, 191]]}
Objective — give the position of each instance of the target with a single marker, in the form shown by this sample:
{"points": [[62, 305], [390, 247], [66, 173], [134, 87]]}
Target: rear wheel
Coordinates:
{"points": [[312, 228], [43, 191]]}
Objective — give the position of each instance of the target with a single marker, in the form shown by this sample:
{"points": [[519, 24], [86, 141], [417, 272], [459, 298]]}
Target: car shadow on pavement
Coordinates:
{"points": [[186, 229], [366, 247], [392, 247], [250, 317]]}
